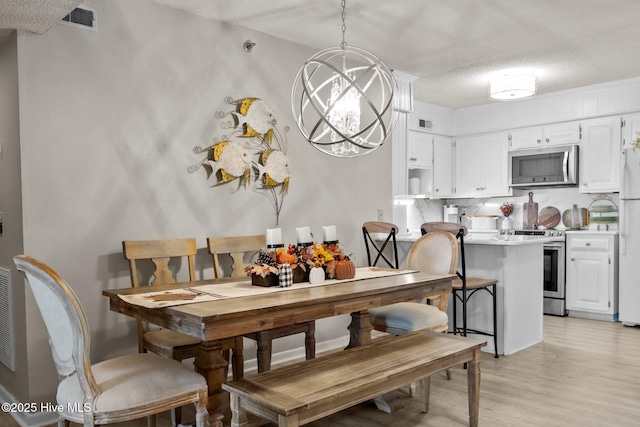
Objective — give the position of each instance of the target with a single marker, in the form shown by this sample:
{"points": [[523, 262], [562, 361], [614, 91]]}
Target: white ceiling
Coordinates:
{"points": [[454, 46]]}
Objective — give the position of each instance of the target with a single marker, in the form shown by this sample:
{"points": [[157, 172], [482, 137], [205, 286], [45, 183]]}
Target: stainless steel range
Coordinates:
{"points": [[554, 267]]}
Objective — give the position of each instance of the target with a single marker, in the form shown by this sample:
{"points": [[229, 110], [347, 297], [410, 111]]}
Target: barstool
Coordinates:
{"points": [[465, 287]]}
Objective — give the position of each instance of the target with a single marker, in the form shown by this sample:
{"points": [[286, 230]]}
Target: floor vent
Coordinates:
{"points": [[81, 17], [7, 341]]}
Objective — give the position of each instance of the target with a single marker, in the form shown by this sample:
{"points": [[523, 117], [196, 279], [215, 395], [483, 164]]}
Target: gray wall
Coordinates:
{"points": [[11, 205], [108, 122]]}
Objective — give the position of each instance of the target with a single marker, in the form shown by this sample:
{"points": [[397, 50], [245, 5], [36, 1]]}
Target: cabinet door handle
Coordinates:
{"points": [[588, 243], [437, 189], [539, 140], [547, 139], [412, 159], [573, 259]]}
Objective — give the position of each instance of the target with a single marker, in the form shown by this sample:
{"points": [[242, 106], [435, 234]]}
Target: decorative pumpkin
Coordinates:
{"points": [[345, 269], [316, 275]]}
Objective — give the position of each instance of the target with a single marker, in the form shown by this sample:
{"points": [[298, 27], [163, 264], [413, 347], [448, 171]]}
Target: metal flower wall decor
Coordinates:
{"points": [[253, 154]]}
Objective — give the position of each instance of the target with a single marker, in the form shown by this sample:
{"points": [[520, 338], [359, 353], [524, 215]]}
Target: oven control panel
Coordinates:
{"points": [[533, 233]]}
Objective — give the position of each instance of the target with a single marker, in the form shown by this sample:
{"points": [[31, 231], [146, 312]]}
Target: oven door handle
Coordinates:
{"points": [[553, 245]]}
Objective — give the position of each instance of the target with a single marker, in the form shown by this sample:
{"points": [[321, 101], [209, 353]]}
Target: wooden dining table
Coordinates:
{"points": [[225, 318]]}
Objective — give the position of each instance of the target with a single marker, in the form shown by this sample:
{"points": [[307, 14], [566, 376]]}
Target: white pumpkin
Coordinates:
{"points": [[316, 275]]}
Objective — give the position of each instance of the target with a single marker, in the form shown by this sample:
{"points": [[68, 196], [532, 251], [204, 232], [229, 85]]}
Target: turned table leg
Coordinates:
{"points": [[211, 364], [360, 329]]}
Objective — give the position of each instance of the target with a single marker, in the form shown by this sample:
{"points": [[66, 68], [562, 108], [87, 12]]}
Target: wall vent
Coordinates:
{"points": [[425, 124], [81, 17], [7, 333]]}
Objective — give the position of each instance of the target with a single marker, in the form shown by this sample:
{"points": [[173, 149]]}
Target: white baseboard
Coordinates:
{"points": [[28, 419]]}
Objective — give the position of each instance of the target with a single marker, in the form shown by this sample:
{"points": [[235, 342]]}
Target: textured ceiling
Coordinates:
{"points": [[452, 46], [37, 16]]}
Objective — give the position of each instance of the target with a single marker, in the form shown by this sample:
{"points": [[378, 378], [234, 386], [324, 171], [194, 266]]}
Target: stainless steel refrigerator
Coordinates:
{"points": [[629, 227]]}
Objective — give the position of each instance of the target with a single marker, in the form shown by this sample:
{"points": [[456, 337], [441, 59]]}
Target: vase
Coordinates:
{"points": [[285, 278], [507, 223], [316, 275], [300, 274]]}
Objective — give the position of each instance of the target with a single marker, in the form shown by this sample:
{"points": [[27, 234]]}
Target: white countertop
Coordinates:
{"points": [[488, 239]]}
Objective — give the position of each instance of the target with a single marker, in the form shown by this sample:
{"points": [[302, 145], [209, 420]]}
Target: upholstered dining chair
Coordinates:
{"points": [[465, 287], [434, 253], [376, 248], [165, 342], [239, 248], [115, 390]]}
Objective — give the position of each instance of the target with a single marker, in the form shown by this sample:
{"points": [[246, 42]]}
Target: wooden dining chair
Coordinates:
{"points": [[376, 248], [115, 390], [436, 253], [166, 342], [240, 249], [465, 287]]}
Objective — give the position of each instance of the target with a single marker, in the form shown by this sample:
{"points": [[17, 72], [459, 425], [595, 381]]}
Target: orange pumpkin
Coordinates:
{"points": [[345, 269]]}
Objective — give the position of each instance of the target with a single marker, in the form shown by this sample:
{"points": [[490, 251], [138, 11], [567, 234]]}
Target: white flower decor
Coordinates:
{"points": [[257, 158], [635, 144]]}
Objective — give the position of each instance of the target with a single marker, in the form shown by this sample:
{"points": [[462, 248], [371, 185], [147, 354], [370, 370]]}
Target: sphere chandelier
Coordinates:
{"points": [[342, 100]]}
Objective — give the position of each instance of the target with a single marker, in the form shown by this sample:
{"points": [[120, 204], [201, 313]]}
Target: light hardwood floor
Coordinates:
{"points": [[584, 373]]}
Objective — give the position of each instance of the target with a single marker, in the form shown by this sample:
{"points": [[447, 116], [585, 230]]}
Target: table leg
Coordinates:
{"points": [[360, 329], [473, 387], [211, 364]]}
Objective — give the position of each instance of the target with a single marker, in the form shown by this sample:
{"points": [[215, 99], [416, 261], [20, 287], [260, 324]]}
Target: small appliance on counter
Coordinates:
{"points": [[450, 213], [483, 222]]}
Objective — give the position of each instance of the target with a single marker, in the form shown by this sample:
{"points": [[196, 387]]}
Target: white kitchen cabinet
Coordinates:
{"points": [[443, 167], [545, 136], [481, 167], [399, 173], [600, 155], [592, 275], [419, 163], [419, 150]]}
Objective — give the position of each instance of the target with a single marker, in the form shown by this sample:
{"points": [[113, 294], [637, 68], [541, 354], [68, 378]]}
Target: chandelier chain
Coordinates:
{"points": [[344, 24]]}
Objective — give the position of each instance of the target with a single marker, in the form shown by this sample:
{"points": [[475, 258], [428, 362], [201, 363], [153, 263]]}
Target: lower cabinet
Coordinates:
{"points": [[592, 275]]}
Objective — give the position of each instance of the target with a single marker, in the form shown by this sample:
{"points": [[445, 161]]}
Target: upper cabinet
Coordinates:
{"points": [[600, 155], [443, 167], [544, 136], [419, 150], [481, 167]]}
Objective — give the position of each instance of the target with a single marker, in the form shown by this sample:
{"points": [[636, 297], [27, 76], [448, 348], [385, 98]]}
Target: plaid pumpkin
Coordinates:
{"points": [[285, 276]]}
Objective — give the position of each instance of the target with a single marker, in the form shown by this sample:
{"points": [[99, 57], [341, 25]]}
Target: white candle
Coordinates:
{"points": [[304, 235], [329, 233], [273, 237]]}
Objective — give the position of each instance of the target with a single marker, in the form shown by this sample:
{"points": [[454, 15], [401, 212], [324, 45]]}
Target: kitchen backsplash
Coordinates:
{"points": [[425, 210]]}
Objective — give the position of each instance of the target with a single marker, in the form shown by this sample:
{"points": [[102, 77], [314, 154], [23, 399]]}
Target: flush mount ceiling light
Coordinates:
{"points": [[342, 100], [512, 86]]}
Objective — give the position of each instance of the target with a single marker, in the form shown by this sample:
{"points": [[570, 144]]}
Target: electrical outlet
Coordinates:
{"points": [[380, 214]]}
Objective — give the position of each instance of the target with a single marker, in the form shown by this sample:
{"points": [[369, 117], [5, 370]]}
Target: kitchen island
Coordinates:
{"points": [[517, 264]]}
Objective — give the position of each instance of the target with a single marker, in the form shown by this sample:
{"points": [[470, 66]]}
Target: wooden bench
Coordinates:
{"points": [[300, 393]]}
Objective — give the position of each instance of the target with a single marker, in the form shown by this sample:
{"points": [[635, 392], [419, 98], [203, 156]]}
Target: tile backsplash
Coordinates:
{"points": [[425, 210]]}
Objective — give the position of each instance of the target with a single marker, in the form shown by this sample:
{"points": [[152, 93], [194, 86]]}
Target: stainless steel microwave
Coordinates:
{"points": [[545, 167]]}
